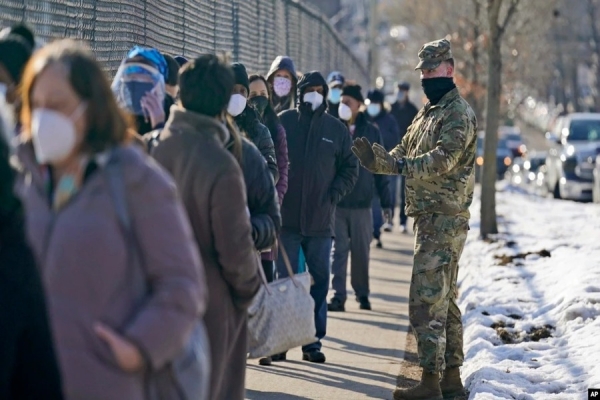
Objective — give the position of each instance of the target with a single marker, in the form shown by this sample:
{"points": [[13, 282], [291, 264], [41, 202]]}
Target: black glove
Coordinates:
{"points": [[362, 150]]}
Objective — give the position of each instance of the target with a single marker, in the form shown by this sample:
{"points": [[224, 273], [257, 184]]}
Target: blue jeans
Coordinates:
{"points": [[317, 251]]}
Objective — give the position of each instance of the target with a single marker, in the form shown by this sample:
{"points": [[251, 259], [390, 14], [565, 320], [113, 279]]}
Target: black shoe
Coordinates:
{"points": [[314, 356], [279, 357], [365, 304], [379, 245], [336, 305], [265, 361]]}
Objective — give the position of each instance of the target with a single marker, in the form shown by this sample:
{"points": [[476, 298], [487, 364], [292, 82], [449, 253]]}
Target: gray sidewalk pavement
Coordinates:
{"points": [[364, 349]]}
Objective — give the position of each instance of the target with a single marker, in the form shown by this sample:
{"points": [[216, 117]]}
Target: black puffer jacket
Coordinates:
{"points": [[364, 189], [263, 202], [322, 167], [249, 122]]}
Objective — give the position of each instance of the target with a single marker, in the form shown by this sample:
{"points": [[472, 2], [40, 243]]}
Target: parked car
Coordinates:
{"points": [[503, 157], [524, 170], [570, 162], [514, 140]]}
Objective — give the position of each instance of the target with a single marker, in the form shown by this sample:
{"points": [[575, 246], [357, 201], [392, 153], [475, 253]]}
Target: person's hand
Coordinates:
{"points": [[386, 163], [153, 108], [387, 214], [128, 356], [361, 147]]}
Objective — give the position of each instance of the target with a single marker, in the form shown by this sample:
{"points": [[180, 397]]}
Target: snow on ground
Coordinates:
{"points": [[510, 310]]}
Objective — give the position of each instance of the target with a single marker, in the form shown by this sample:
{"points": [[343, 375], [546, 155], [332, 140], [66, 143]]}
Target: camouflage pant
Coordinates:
{"points": [[433, 313]]}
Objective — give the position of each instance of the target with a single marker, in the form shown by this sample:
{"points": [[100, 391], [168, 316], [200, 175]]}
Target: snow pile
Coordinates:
{"points": [[531, 300]]}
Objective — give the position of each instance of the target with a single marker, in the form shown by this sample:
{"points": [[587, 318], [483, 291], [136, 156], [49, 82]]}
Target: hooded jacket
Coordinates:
{"points": [[363, 192], [287, 102], [322, 167]]}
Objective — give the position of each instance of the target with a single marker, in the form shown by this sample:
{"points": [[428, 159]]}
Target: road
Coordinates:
{"points": [[364, 349]]}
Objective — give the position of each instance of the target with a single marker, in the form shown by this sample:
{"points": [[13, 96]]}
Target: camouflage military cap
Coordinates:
{"points": [[433, 53]]}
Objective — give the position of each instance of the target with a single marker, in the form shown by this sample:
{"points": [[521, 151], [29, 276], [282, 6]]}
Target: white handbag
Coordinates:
{"points": [[281, 316]]}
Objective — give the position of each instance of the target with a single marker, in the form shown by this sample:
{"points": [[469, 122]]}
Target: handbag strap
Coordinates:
{"points": [[114, 176], [286, 261]]}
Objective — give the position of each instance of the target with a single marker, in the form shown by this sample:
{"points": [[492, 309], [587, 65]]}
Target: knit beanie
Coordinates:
{"points": [[241, 76], [353, 91]]}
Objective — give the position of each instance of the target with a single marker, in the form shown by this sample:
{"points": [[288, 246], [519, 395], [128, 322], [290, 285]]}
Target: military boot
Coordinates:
{"points": [[451, 384], [427, 389]]}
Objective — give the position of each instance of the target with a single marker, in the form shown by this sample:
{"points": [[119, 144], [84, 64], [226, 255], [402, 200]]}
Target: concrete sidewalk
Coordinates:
{"points": [[364, 349]]}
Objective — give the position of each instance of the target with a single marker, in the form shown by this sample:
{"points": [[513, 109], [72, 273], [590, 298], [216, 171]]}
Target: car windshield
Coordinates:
{"points": [[513, 137], [584, 131]]}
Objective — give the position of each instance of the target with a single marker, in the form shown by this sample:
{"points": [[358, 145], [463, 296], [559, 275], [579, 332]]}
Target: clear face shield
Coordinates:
{"points": [[133, 81]]}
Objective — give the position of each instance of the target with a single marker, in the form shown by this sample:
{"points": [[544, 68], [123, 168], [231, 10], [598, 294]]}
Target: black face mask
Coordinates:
{"points": [[436, 88], [260, 103]]}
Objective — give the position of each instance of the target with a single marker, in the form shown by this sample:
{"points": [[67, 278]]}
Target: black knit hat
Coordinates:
{"points": [[14, 54], [376, 96], [353, 91], [241, 76]]}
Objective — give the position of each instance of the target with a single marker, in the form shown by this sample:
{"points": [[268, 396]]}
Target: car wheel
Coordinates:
{"points": [[556, 192]]}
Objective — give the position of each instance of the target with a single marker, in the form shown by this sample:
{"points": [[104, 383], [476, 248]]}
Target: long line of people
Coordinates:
{"points": [[216, 169]]}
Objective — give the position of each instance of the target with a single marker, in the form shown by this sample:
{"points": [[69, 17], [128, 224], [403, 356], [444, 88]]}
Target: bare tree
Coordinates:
{"points": [[497, 28]]}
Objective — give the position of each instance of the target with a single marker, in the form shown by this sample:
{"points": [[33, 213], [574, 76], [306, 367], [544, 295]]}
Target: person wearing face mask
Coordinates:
{"points": [[122, 298], [260, 97], [391, 137], [403, 109], [353, 215], [14, 54], [322, 171], [139, 86], [283, 80], [247, 119], [335, 80], [193, 148], [437, 157]]}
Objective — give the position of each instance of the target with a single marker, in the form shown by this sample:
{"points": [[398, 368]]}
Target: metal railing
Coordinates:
{"points": [[254, 32]]}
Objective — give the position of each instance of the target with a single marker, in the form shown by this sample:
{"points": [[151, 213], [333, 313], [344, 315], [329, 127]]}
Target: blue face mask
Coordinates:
{"points": [[335, 95], [374, 109]]}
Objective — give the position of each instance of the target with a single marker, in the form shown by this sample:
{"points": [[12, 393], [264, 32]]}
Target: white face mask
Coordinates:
{"points": [[344, 112], [314, 98], [237, 105], [53, 134]]}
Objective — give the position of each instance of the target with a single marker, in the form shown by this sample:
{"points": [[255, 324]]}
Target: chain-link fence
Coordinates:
{"points": [[254, 32]]}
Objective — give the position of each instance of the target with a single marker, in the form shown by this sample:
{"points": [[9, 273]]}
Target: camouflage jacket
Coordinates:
{"points": [[439, 150]]}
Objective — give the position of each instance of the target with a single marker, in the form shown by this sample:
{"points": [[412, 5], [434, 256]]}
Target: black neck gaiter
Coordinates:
{"points": [[436, 88]]}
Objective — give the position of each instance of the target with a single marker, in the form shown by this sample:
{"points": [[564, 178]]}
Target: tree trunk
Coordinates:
{"points": [[489, 224]]}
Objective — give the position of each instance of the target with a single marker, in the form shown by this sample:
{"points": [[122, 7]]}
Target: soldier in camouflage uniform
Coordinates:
{"points": [[437, 158]]}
